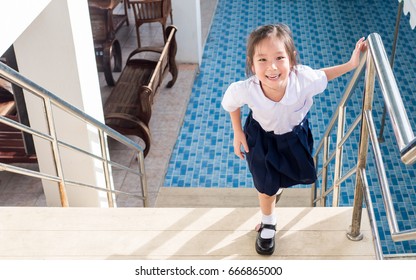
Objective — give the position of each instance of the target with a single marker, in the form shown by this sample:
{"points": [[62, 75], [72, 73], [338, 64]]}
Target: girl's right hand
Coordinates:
{"points": [[240, 142]]}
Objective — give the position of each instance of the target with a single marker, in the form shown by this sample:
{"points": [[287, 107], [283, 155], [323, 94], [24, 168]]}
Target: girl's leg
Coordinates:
{"points": [[267, 203], [267, 206]]}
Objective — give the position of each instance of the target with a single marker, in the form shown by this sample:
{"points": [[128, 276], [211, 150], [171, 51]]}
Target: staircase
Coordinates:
{"points": [[187, 223], [220, 229]]}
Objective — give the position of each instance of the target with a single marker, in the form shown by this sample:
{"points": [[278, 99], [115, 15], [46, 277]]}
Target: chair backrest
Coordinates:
{"points": [[163, 63], [151, 10]]}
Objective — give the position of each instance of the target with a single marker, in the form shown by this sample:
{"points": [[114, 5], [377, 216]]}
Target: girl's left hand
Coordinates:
{"points": [[360, 46]]}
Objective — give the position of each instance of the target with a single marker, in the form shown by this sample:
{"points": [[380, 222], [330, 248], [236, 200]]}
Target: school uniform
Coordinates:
{"points": [[279, 139]]}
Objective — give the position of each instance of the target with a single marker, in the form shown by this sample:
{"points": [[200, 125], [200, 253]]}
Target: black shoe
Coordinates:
{"points": [[265, 246]]}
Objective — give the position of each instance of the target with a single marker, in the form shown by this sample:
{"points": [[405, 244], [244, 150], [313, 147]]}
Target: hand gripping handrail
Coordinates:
{"points": [[50, 99], [376, 64]]}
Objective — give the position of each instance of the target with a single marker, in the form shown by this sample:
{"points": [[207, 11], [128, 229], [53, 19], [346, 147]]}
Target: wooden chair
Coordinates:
{"points": [[128, 108], [104, 25], [146, 11]]}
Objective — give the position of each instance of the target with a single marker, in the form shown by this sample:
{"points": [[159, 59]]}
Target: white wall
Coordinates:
{"points": [[56, 51]]}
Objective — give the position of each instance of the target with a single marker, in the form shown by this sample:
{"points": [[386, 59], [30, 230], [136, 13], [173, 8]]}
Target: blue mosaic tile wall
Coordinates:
{"points": [[325, 33]]}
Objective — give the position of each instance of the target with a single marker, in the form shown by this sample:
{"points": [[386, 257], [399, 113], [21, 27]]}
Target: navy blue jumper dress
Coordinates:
{"points": [[279, 161]]}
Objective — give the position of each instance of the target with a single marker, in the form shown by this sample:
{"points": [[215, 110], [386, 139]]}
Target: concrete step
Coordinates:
{"points": [[226, 197], [175, 233]]}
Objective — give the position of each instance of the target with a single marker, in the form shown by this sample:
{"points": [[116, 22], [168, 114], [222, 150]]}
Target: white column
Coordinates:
{"points": [[56, 51], [187, 18]]}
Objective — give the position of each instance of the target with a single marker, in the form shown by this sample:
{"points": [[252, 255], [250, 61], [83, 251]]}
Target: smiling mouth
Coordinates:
{"points": [[273, 77]]}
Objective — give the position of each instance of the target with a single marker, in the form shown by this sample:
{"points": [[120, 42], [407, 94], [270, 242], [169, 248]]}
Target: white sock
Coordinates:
{"points": [[270, 220]]}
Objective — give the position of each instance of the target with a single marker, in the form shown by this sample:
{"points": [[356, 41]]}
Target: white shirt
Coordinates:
{"points": [[279, 117]]}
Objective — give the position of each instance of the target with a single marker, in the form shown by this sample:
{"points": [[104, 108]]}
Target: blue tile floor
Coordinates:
{"points": [[325, 33]]}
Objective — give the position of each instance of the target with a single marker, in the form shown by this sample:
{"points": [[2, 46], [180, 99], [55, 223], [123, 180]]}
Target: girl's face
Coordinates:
{"points": [[271, 64]]}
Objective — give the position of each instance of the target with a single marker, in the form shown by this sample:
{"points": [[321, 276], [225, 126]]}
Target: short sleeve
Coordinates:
{"points": [[232, 99], [311, 80]]}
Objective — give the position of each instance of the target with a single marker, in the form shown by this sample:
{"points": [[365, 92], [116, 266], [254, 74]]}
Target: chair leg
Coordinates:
{"points": [[165, 38], [117, 56], [138, 36], [108, 73], [173, 69], [110, 53], [126, 4]]}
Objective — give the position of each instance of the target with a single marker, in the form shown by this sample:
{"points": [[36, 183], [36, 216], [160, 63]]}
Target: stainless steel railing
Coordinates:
{"points": [[103, 131], [374, 64]]}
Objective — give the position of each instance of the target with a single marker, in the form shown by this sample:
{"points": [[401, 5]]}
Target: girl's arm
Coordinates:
{"points": [[239, 136], [339, 70]]}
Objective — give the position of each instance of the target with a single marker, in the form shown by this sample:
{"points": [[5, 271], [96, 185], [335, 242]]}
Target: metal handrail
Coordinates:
{"points": [[376, 64], [392, 57], [49, 100]]}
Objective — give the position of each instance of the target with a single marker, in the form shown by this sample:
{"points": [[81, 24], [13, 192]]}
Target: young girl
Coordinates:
{"points": [[276, 141]]}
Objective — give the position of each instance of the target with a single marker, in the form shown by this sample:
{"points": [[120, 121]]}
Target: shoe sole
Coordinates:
{"points": [[264, 253]]}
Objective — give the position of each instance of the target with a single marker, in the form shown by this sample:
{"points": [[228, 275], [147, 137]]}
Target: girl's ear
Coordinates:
{"points": [[252, 69]]}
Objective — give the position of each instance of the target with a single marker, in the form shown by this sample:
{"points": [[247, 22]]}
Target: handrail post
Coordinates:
{"points": [[355, 234], [338, 155], [56, 155], [393, 54], [325, 171], [143, 180], [107, 171], [314, 184]]}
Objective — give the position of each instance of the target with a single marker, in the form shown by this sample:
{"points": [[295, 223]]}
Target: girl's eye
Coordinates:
{"points": [[262, 59], [280, 57]]}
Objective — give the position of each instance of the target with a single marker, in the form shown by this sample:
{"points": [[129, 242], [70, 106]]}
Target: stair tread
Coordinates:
{"points": [[176, 233]]}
